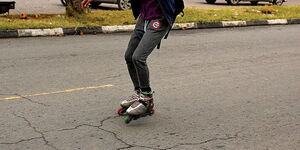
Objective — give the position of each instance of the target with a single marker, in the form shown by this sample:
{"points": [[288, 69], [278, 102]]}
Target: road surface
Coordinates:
{"points": [[232, 88]]}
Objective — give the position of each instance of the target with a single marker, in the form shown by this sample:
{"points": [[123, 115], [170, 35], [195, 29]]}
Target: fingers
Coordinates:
{"points": [[82, 4], [85, 4]]}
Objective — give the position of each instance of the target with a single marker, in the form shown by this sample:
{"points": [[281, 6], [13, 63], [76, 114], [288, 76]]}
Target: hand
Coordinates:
{"points": [[85, 4]]}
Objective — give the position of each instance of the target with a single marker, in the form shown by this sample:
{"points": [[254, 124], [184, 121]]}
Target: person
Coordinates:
{"points": [[154, 20]]}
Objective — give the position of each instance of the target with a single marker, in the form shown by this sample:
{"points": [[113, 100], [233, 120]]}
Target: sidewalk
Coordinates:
{"points": [[129, 28]]}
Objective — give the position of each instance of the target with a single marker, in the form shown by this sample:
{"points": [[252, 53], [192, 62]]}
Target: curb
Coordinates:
{"points": [[128, 28]]}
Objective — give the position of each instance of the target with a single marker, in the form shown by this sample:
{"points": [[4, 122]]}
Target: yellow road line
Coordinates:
{"points": [[57, 92]]}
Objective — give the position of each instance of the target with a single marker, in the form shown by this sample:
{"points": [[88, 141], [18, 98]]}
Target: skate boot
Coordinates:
{"points": [[141, 108], [127, 102]]}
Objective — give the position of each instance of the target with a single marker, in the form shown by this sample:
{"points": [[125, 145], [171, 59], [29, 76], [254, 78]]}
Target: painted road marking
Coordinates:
{"points": [[57, 92]]}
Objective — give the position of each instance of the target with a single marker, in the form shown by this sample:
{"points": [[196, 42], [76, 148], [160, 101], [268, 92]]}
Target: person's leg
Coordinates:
{"points": [[135, 39], [155, 31]]}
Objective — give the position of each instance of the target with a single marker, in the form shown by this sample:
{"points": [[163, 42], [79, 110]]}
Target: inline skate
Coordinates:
{"points": [[127, 102], [143, 107]]}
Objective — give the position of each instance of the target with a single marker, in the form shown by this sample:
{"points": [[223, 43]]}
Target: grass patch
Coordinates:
{"points": [[115, 17], [240, 13]]}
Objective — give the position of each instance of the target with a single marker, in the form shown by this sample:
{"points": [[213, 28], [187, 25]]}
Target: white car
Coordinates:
{"points": [[122, 4]]}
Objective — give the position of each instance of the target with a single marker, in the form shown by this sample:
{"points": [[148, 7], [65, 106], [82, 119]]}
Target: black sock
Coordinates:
{"points": [[138, 90], [146, 90]]}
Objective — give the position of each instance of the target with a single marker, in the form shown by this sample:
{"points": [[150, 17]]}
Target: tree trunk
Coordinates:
{"points": [[74, 7]]}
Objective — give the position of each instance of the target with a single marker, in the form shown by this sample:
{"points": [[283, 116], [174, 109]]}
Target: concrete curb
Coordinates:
{"points": [[128, 28]]}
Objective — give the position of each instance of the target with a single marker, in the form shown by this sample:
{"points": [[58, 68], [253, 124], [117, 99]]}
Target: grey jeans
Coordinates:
{"points": [[145, 37]]}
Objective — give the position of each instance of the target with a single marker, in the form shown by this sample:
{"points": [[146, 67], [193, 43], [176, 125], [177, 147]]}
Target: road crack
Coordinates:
{"points": [[37, 131], [115, 135], [206, 141], [128, 145], [99, 127], [30, 100], [23, 140], [74, 128]]}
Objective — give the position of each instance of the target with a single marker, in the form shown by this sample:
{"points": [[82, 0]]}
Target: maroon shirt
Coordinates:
{"points": [[150, 9]]}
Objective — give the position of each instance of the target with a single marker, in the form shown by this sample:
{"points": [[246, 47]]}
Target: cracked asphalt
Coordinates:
{"points": [[216, 89]]}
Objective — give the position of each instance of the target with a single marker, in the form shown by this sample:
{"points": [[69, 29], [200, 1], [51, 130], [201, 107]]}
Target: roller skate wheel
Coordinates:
{"points": [[152, 111], [127, 119], [120, 111]]}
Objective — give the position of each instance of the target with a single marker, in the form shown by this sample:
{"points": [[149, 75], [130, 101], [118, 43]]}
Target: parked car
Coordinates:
{"points": [[122, 4], [5, 6], [253, 2]]}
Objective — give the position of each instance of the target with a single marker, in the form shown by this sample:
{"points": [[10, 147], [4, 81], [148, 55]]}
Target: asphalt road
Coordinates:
{"points": [[54, 6], [232, 88]]}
